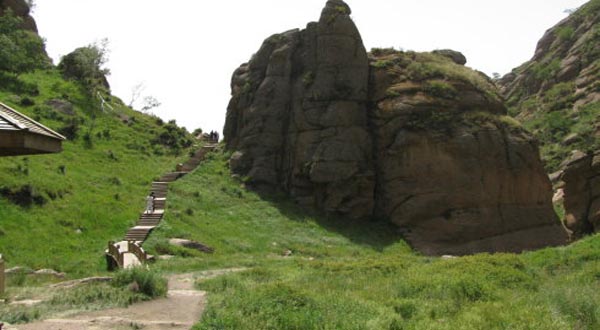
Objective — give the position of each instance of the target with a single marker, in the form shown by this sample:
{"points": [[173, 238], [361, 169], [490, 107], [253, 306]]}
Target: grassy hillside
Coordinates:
{"points": [[59, 211], [310, 272]]}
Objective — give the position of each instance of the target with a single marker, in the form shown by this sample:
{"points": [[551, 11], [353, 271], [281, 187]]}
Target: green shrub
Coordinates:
{"points": [[20, 50], [441, 89], [148, 282], [565, 33], [85, 64], [173, 136], [546, 70]]}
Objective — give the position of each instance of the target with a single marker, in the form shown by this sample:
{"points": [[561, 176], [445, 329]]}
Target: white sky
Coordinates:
{"points": [[185, 51]]}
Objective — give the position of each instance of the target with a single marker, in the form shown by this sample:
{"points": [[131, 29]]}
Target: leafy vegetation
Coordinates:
{"points": [[85, 64], [20, 50], [553, 127]]}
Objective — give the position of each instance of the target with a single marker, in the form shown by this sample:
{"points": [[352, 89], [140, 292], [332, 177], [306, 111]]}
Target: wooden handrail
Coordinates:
{"points": [[137, 250], [114, 251]]}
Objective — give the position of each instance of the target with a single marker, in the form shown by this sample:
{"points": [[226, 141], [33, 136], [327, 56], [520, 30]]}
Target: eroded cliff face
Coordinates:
{"points": [[21, 9], [557, 93], [452, 169], [298, 116], [415, 138], [581, 184]]}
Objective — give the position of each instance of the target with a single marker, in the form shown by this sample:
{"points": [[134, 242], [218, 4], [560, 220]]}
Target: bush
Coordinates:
{"points": [[84, 64], [148, 282], [173, 136]]}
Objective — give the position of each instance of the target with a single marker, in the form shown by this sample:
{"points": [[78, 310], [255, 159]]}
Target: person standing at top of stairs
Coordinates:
{"points": [[150, 203]]}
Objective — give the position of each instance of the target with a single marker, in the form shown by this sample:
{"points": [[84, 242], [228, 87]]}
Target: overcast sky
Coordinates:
{"points": [[184, 51]]}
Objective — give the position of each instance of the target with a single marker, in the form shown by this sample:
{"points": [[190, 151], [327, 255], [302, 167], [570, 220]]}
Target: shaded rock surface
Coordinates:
{"points": [[581, 178], [415, 138]]}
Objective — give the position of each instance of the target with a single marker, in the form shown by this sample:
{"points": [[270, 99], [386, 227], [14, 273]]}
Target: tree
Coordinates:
{"points": [[86, 65], [136, 92], [21, 51], [150, 102]]}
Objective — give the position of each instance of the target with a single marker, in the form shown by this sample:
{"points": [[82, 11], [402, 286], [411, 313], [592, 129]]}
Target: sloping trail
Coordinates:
{"points": [[129, 252], [181, 309]]}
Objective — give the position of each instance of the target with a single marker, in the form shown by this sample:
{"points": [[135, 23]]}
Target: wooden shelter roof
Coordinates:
{"points": [[21, 135]]}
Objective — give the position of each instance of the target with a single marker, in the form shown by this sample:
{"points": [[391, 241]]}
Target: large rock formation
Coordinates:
{"points": [[557, 92], [569, 52], [414, 138], [581, 182], [21, 9], [298, 116]]}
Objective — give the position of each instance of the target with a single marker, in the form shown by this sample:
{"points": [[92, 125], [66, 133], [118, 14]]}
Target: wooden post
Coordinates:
{"points": [[1, 275]]}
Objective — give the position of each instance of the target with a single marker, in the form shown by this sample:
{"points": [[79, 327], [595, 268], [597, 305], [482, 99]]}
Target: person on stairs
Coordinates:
{"points": [[150, 203]]}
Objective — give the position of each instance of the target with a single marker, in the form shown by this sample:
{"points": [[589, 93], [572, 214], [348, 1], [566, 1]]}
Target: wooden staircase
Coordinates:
{"points": [[129, 252]]}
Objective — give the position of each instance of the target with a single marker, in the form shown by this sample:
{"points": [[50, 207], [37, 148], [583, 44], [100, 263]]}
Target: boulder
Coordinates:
{"points": [[456, 57], [581, 179], [298, 118], [415, 138]]}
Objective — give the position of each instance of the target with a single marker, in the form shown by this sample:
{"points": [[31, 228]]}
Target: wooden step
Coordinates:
{"points": [[138, 233], [170, 177]]}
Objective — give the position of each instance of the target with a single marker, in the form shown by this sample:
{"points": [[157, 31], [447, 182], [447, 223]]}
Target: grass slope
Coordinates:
{"points": [[90, 193], [306, 271]]}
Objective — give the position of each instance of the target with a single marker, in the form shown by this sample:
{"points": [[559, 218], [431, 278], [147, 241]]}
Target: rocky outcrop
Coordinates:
{"points": [[451, 168], [416, 138], [298, 116], [581, 186], [567, 53], [557, 92], [21, 9]]}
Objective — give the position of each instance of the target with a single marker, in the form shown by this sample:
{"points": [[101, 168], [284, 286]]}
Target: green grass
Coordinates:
{"points": [[126, 288], [307, 271], [86, 195]]}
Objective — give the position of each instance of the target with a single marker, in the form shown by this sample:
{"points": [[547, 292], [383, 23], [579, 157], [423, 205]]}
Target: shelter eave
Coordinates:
{"points": [[18, 143]]}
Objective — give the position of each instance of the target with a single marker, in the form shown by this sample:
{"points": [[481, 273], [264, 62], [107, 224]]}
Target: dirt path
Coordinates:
{"points": [[181, 309]]}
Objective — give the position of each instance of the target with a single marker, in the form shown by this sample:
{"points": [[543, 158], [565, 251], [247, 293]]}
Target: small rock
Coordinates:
{"points": [[456, 57], [18, 269], [554, 177], [186, 243], [570, 139], [26, 302], [51, 272], [134, 287], [559, 196], [62, 106]]}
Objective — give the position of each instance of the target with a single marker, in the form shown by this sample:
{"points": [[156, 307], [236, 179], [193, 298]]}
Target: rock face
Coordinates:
{"points": [[20, 9], [298, 116], [567, 53], [557, 92], [414, 138], [581, 179]]}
